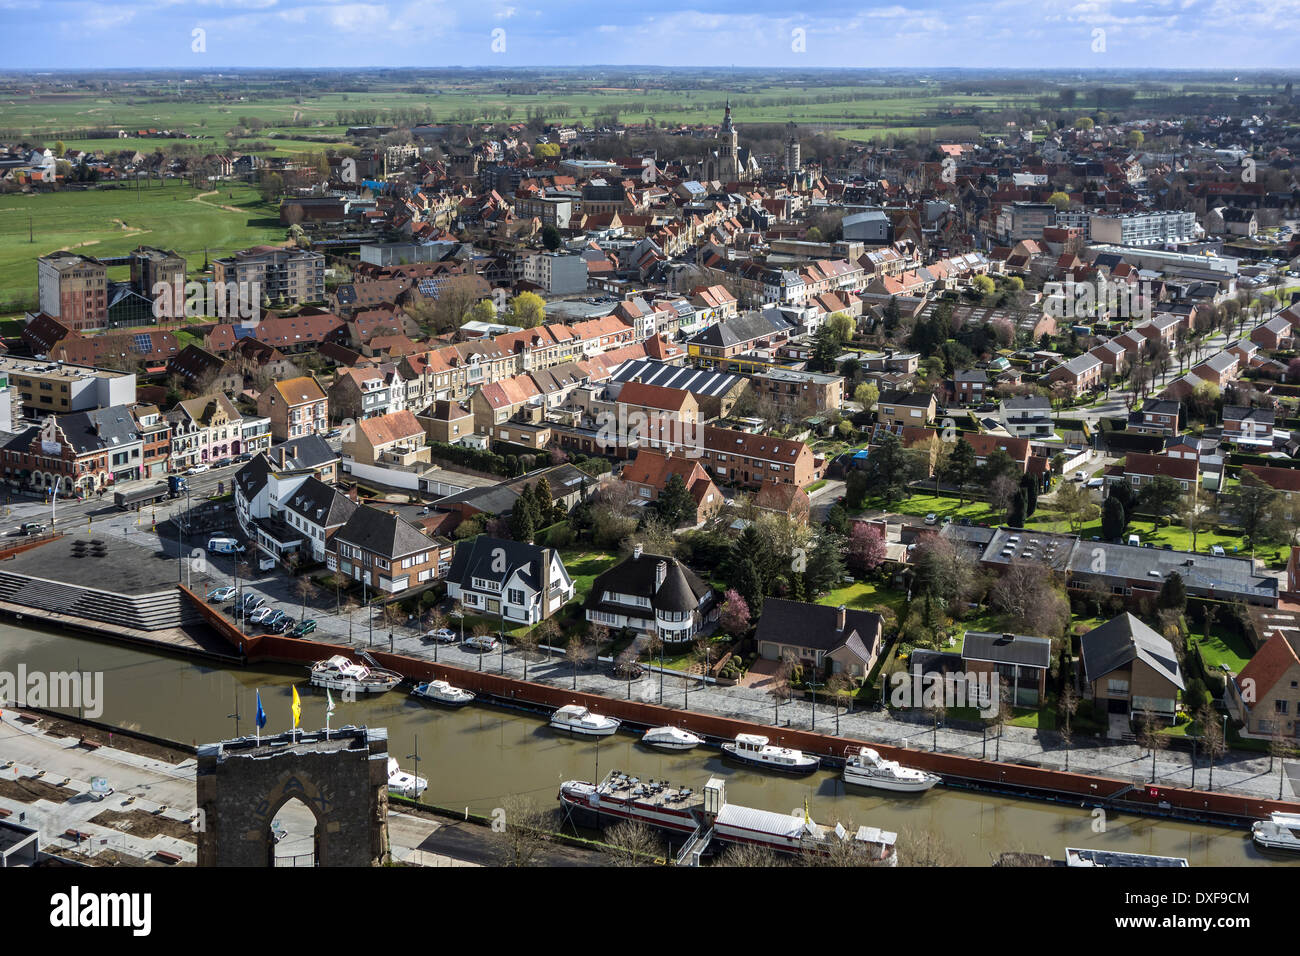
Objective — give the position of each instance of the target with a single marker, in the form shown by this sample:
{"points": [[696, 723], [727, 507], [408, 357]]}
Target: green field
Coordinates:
{"points": [[111, 222]]}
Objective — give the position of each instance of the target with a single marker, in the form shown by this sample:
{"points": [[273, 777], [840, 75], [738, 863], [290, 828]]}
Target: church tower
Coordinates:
{"points": [[728, 149], [793, 161]]}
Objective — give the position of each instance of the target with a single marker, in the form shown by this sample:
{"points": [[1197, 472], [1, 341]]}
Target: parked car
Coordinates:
{"points": [[931, 518], [252, 602], [282, 625], [32, 527], [303, 628], [197, 469], [485, 643], [260, 615], [442, 635], [221, 594], [1217, 551], [274, 617]]}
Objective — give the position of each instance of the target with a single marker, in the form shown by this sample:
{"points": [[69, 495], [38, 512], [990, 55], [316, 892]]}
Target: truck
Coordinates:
{"points": [[173, 487]]}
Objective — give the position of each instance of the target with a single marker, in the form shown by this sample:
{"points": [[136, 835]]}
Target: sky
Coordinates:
{"points": [[1099, 34]]}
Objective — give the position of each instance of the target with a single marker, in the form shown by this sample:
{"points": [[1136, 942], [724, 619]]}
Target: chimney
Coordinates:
{"points": [[841, 616], [661, 572], [636, 551], [282, 457]]}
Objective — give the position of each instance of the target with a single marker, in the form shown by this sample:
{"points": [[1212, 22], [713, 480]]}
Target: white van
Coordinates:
{"points": [[1134, 540], [224, 545]]}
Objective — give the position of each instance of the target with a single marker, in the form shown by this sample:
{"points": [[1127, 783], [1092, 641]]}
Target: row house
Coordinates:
{"points": [[1139, 469], [1080, 374], [395, 439], [73, 454], [296, 407], [1251, 427], [1158, 416], [204, 430], [742, 458], [360, 393]]}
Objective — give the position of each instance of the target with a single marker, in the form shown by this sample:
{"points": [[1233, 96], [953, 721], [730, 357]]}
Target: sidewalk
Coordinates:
{"points": [[1236, 772]]}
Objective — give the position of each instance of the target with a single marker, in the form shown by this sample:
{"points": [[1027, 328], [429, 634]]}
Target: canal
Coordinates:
{"points": [[476, 756]]}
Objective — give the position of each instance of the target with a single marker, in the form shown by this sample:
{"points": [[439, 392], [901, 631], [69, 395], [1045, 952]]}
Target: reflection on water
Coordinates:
{"points": [[475, 756]]}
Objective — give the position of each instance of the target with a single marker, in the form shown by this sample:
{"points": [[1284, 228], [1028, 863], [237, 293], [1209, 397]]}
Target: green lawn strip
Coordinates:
{"points": [[1222, 647]]}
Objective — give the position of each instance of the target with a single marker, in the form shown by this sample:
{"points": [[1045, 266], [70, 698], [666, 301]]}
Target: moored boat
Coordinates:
{"points": [[404, 784], [670, 738], [866, 768], [702, 817], [440, 692], [757, 751], [577, 719], [1281, 831], [339, 673]]}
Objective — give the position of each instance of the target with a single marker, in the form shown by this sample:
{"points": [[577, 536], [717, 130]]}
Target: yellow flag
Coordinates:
{"points": [[296, 708]]}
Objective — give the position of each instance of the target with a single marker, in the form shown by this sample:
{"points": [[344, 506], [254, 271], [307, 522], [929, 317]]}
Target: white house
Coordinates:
{"points": [[519, 582]]}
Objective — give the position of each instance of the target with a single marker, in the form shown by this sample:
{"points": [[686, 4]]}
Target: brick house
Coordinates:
{"points": [[296, 407]]}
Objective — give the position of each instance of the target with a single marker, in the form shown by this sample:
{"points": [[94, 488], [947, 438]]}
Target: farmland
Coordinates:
{"points": [[113, 221]]}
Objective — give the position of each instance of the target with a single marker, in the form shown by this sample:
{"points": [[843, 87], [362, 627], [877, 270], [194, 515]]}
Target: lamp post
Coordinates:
{"points": [[235, 717], [813, 685], [416, 757], [501, 634]]}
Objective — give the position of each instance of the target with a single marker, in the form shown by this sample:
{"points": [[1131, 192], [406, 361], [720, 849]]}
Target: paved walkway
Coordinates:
{"points": [[143, 784], [1237, 772]]}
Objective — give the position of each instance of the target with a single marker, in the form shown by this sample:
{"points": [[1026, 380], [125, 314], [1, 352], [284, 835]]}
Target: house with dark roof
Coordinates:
{"points": [[508, 580], [824, 639], [385, 552], [652, 594], [1021, 662], [896, 408], [1129, 669]]}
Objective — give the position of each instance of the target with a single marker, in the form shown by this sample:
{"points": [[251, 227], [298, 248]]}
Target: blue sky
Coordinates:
{"points": [[1228, 34]]}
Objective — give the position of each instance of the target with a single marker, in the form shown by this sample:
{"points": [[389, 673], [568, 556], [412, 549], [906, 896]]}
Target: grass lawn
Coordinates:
{"points": [[112, 222], [865, 595], [1222, 648], [584, 566]]}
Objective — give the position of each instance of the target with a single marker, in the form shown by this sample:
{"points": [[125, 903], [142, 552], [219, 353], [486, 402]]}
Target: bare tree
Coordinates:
{"points": [[1150, 738], [1068, 704], [925, 847], [750, 855], [1212, 741], [525, 831], [1279, 748], [526, 644], [778, 687], [633, 843]]}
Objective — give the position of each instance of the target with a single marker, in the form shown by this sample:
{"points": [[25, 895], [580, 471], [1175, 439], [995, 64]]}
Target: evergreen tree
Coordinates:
{"points": [[676, 505], [959, 470], [1030, 487], [523, 519], [1019, 506], [1173, 593], [1114, 519]]}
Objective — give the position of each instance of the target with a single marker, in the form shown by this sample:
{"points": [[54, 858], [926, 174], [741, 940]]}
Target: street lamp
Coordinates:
{"points": [[416, 757], [814, 685]]}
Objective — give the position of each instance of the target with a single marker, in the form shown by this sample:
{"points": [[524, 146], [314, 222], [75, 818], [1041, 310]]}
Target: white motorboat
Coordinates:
{"points": [[671, 738], [440, 692], [339, 673], [1281, 831], [577, 719], [404, 784], [867, 768], [755, 750]]}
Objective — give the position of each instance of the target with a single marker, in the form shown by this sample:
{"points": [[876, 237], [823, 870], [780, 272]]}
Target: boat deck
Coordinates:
{"points": [[618, 785]]}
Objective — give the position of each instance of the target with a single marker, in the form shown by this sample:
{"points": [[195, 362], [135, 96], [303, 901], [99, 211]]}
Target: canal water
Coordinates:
{"points": [[476, 756]]}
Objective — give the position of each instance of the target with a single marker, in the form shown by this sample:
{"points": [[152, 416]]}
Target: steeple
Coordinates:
{"points": [[726, 117]]}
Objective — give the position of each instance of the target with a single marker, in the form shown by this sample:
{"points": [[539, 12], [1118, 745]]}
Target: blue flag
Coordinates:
{"points": [[261, 714]]}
